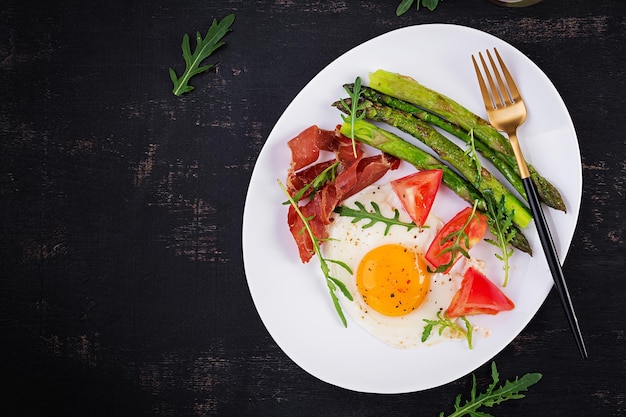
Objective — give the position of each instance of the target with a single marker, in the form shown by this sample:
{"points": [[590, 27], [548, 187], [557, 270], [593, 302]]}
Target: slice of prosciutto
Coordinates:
{"points": [[354, 173]]}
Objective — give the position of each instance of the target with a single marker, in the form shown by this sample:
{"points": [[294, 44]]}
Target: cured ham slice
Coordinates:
{"points": [[362, 173], [354, 172], [298, 180], [319, 210], [305, 147]]}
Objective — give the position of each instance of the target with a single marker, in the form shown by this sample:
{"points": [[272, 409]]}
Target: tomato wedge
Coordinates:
{"points": [[475, 230], [417, 193], [478, 295]]}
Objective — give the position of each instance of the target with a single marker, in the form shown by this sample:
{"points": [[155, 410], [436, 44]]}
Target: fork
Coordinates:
{"points": [[506, 112]]}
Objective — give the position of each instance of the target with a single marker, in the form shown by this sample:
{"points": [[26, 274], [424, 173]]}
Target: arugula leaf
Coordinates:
{"points": [[510, 390], [445, 322], [363, 214], [430, 4], [331, 282], [404, 5], [356, 110], [204, 48], [500, 222]]}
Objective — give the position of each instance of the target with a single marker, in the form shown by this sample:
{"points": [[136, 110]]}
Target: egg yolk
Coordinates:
{"points": [[393, 279]]}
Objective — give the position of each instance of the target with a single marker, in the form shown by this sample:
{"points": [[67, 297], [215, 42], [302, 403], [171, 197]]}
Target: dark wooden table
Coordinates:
{"points": [[122, 287]]}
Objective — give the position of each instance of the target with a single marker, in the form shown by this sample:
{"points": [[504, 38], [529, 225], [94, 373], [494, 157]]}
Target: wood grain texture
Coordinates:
{"points": [[122, 289]]}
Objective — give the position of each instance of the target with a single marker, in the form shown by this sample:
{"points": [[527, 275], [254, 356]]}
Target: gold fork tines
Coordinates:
{"points": [[503, 102], [508, 92], [506, 112]]}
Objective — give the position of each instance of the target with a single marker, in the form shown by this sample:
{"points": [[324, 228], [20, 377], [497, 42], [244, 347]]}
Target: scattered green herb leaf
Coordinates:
{"points": [[443, 321], [204, 48], [500, 222], [405, 5], [355, 110], [331, 282], [373, 217], [328, 174], [460, 241], [510, 390]]}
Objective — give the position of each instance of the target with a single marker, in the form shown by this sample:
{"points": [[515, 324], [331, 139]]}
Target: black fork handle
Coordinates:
{"points": [[553, 262]]}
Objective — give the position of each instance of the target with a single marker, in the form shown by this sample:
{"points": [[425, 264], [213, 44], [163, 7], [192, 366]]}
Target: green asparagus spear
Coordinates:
{"points": [[500, 164], [407, 89], [387, 142], [451, 153]]}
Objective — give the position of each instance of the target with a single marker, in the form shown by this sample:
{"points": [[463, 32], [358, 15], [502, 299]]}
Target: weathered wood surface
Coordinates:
{"points": [[122, 289]]}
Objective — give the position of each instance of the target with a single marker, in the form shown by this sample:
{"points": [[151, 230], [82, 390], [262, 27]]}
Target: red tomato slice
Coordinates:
{"points": [[417, 193], [478, 295], [475, 232]]}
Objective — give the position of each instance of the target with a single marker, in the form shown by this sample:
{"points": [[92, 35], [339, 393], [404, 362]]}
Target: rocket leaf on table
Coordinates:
{"points": [[404, 5], [204, 48], [510, 390]]}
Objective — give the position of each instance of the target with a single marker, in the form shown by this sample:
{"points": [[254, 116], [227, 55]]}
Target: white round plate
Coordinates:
{"points": [[292, 298]]}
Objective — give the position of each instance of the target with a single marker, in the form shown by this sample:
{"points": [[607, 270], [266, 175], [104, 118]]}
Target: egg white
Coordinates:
{"points": [[349, 242]]}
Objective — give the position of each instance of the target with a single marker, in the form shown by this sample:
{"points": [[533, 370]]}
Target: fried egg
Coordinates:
{"points": [[392, 289]]}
